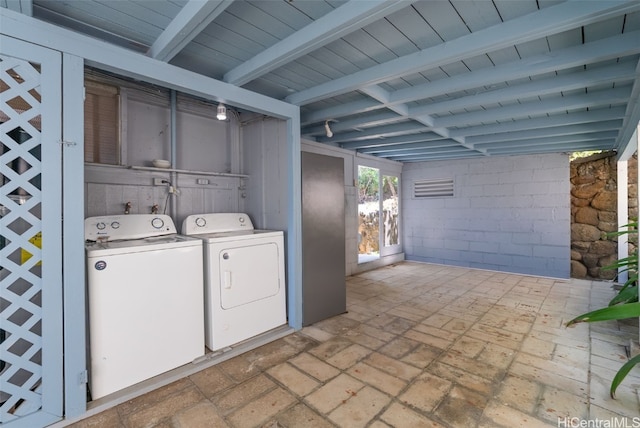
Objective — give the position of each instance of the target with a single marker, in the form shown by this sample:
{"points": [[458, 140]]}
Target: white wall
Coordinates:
{"points": [[508, 214]]}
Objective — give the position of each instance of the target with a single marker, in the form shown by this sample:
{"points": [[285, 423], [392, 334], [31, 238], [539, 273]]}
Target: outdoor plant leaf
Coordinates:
{"points": [[622, 373], [626, 295], [618, 312]]}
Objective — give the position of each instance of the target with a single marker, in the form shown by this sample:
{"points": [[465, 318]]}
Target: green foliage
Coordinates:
{"points": [[624, 305]]}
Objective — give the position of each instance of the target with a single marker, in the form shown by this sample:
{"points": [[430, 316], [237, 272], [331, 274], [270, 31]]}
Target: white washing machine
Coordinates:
{"points": [[243, 275], [146, 299]]}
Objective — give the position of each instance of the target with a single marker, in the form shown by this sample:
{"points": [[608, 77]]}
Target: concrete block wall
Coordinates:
{"points": [[507, 214]]}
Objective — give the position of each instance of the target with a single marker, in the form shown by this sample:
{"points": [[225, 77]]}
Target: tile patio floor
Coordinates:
{"points": [[421, 346]]}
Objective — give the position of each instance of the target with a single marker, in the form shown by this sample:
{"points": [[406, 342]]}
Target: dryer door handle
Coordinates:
{"points": [[227, 279]]}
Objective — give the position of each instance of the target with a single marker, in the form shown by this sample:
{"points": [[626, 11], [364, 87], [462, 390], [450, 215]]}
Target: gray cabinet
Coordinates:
{"points": [[323, 238]]}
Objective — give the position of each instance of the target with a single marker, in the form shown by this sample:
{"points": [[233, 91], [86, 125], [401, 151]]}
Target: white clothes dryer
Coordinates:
{"points": [[146, 299], [243, 275]]}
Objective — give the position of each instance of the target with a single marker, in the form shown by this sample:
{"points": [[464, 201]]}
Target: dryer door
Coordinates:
{"points": [[248, 274]]}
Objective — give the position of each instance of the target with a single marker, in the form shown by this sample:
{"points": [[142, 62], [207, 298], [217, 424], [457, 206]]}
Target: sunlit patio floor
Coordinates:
{"points": [[421, 345]]}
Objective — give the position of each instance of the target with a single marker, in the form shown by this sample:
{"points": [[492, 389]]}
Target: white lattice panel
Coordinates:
{"points": [[20, 236]]}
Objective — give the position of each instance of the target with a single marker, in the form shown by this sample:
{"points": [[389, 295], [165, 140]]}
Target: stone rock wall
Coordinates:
{"points": [[594, 213]]}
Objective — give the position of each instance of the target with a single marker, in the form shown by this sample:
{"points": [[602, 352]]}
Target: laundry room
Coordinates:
{"points": [[161, 165]]}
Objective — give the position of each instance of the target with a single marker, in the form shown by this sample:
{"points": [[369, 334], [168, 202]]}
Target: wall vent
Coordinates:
{"points": [[435, 188]]}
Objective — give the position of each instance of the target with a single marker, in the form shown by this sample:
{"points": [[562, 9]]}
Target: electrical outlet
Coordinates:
{"points": [[158, 181], [202, 181]]}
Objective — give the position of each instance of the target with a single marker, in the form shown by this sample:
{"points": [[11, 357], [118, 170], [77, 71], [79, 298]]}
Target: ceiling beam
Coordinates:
{"points": [[21, 6], [551, 20], [439, 156], [410, 147], [542, 122], [377, 119], [560, 148], [554, 140], [632, 118], [589, 53], [620, 72], [380, 142], [405, 128], [548, 106], [194, 17], [593, 52], [343, 20], [580, 128]]}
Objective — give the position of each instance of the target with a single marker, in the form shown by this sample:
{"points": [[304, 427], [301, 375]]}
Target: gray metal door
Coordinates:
{"points": [[31, 387], [323, 237]]}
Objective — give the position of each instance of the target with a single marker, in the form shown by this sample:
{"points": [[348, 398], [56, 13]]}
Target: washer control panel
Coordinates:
{"points": [[130, 226], [216, 223]]}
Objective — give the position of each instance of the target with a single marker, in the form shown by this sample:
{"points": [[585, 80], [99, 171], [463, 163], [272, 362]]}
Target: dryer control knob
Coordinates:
{"points": [[201, 222], [241, 219], [157, 223], [115, 225], [101, 226]]}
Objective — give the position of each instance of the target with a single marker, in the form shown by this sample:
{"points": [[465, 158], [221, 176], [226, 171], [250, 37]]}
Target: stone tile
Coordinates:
{"points": [[398, 415], [375, 332], [150, 399], [468, 346], [261, 409], [461, 377], [293, 379], [437, 320], [556, 404], [365, 340], [422, 356], [393, 367], [202, 415], [500, 337], [470, 365], [239, 368], [548, 378], [301, 415], [428, 339], [211, 381], [337, 325], [554, 366], [519, 393], [348, 356], [316, 333], [107, 419], [314, 367], [426, 392], [333, 393], [377, 378], [497, 356], [399, 347], [236, 397], [300, 342], [437, 332], [461, 407], [399, 325], [330, 347], [159, 410], [539, 348], [360, 408], [501, 415]]}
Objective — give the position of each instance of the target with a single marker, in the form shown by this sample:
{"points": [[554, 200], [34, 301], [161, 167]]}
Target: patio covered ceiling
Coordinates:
{"points": [[403, 80]]}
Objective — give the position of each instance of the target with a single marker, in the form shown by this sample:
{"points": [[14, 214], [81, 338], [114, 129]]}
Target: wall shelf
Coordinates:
{"points": [[186, 171]]}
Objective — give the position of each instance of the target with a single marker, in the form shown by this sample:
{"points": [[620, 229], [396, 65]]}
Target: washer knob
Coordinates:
{"points": [[157, 223], [201, 222], [115, 225], [101, 226], [241, 219]]}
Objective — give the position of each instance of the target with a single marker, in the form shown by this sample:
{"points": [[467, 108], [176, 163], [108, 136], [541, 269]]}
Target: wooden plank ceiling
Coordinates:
{"points": [[404, 80]]}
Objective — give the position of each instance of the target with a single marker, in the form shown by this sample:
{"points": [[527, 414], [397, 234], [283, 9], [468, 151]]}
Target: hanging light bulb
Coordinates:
{"points": [[326, 127], [222, 112]]}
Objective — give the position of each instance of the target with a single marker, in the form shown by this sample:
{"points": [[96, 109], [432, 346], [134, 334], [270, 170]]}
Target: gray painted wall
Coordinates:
{"points": [[507, 214]]}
